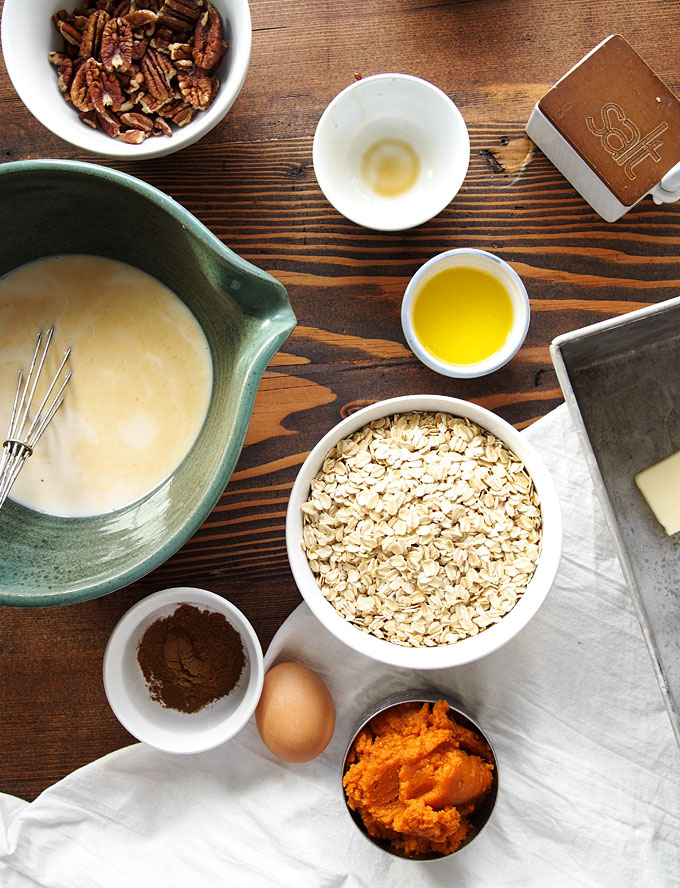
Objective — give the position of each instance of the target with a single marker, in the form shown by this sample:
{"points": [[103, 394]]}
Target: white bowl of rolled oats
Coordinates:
{"points": [[424, 531], [127, 79]]}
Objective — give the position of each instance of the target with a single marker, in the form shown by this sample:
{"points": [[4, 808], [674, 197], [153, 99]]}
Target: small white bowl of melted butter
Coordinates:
{"points": [[391, 151]]}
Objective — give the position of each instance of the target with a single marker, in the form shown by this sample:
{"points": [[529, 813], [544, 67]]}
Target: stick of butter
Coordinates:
{"points": [[660, 486]]}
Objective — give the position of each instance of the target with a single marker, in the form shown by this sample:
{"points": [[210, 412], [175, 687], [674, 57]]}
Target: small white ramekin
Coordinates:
{"points": [[491, 264], [147, 719], [391, 106]]}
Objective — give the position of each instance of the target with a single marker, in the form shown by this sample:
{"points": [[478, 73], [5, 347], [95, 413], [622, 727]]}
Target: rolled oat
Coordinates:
{"points": [[422, 528]]}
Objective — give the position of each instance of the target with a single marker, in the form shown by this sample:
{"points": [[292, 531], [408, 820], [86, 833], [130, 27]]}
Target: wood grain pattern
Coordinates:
{"points": [[252, 183]]}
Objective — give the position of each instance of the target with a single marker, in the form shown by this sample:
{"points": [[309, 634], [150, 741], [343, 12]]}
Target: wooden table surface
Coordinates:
{"points": [[495, 58]]}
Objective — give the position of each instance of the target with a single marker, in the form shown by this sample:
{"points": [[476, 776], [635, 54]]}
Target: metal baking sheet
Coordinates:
{"points": [[621, 381]]}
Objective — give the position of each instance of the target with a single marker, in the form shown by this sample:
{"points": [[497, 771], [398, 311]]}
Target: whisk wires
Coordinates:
{"points": [[25, 432]]}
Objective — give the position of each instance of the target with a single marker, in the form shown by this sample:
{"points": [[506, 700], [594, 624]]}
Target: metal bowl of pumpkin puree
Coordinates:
{"points": [[420, 777]]}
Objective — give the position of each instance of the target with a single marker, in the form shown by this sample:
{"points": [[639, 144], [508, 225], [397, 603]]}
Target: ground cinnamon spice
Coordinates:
{"points": [[190, 658]]}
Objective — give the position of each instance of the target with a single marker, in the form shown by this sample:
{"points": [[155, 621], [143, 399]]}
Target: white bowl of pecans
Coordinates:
{"points": [[424, 531], [128, 79]]}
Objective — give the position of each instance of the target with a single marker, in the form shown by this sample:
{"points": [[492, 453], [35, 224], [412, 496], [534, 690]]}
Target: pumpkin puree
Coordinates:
{"points": [[415, 777]]}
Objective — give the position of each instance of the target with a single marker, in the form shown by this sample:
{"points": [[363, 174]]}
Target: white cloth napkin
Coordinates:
{"points": [[588, 766]]}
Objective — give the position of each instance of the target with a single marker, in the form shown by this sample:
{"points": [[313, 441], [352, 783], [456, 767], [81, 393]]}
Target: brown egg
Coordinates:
{"points": [[295, 715]]}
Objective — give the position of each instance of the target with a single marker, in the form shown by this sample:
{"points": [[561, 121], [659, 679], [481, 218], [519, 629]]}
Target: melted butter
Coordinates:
{"points": [[390, 167], [141, 385], [462, 315]]}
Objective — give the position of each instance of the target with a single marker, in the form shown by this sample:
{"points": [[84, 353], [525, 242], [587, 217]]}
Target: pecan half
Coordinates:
{"points": [[90, 45], [116, 48], [79, 93], [209, 47], [103, 87], [158, 72], [198, 89], [180, 15]]}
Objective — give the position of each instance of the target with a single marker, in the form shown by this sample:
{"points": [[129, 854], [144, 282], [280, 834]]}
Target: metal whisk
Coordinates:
{"points": [[25, 432]]}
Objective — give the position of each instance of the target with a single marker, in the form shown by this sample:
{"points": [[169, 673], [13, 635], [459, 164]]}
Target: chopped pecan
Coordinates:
{"points": [[180, 52], [133, 136], [158, 72], [161, 127], [92, 35], [180, 15], [116, 48], [105, 5], [123, 8], [150, 105], [79, 91], [89, 117], [57, 58], [108, 122], [208, 48], [198, 89], [139, 18], [171, 108], [131, 79], [183, 116], [139, 47], [69, 32], [103, 87], [137, 121], [65, 76], [135, 82], [161, 40]]}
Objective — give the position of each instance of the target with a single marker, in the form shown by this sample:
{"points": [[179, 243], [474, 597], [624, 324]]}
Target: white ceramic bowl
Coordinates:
{"points": [[169, 729], [394, 107], [496, 267], [28, 35], [468, 649]]}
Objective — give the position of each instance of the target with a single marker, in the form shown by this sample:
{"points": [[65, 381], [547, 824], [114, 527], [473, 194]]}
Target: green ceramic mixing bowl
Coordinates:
{"points": [[51, 207]]}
